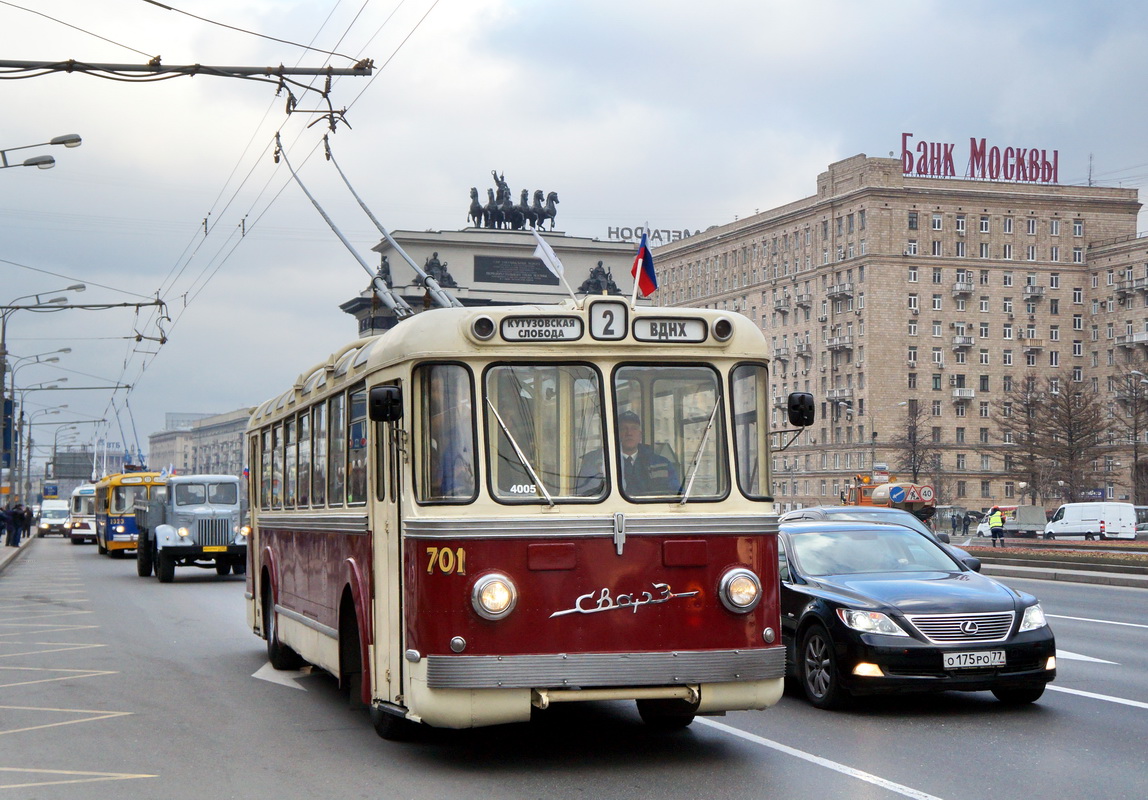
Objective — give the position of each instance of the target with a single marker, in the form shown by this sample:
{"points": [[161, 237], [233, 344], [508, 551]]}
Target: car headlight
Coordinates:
{"points": [[43, 524], [1033, 618], [870, 622], [739, 590], [183, 531], [493, 596]]}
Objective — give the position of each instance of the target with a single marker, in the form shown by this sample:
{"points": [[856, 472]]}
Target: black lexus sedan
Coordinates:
{"points": [[869, 608]]}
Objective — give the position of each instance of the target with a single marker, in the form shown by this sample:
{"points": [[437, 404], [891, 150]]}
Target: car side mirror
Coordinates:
{"points": [[972, 563], [943, 537], [385, 404]]}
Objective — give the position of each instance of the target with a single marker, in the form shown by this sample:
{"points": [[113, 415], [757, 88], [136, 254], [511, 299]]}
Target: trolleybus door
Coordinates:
{"points": [[390, 439]]}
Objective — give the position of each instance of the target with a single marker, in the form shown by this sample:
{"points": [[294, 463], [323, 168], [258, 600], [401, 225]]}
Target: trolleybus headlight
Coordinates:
{"points": [[723, 329], [740, 590], [119, 529], [493, 596], [482, 328], [183, 531]]}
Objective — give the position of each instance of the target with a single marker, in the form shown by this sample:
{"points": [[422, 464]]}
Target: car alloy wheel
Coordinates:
{"points": [[819, 675]]}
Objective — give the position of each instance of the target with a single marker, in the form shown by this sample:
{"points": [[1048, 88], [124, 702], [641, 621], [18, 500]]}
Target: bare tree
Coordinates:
{"points": [[1130, 415], [1073, 431], [1019, 435], [916, 450]]}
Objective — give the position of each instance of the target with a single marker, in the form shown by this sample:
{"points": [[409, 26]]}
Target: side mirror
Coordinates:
{"points": [[385, 404], [802, 410], [943, 537], [972, 563]]}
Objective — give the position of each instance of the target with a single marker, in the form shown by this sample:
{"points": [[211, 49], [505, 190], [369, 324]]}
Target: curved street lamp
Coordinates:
{"points": [[40, 162]]}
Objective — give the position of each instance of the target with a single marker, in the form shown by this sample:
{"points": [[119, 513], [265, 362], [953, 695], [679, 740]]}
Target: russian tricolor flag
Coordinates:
{"points": [[643, 269]]}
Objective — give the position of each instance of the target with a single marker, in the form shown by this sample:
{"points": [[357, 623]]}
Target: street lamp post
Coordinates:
{"points": [[31, 417], [19, 427], [41, 162], [6, 439], [56, 443]]}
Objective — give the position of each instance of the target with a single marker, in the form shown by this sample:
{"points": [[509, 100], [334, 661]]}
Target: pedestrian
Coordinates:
{"points": [[996, 525], [953, 519], [29, 519], [15, 524], [965, 524], [5, 519]]}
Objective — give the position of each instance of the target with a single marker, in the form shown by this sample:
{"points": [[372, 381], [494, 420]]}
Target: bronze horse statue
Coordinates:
{"points": [[543, 213], [476, 214], [493, 211]]}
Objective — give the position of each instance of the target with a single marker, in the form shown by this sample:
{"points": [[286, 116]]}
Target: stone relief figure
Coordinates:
{"points": [[437, 269], [600, 281]]}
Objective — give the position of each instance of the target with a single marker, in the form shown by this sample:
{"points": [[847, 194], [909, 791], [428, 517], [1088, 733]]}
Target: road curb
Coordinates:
{"points": [[10, 554], [1069, 575]]}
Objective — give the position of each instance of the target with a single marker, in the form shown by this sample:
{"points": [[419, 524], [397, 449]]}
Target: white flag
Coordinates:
{"points": [[547, 256]]}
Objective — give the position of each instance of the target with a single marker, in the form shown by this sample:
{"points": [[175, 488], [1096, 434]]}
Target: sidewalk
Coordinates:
{"points": [[1046, 573], [10, 554]]}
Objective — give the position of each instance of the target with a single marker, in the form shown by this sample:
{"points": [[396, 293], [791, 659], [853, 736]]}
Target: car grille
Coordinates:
{"points": [[213, 532], [963, 628]]}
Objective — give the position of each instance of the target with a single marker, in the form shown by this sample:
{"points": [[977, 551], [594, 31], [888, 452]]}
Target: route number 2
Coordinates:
{"points": [[446, 560], [608, 320]]}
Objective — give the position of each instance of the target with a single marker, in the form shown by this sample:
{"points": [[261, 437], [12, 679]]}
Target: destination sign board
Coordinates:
{"points": [[669, 329], [554, 328]]}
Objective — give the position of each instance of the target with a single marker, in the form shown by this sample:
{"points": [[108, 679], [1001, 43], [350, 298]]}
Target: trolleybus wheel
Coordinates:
{"points": [[280, 655], [222, 568], [666, 715], [391, 727], [103, 551], [165, 568], [144, 560]]}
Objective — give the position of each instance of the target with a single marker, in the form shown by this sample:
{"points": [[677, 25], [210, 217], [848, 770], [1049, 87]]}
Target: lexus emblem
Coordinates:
{"points": [[969, 628]]}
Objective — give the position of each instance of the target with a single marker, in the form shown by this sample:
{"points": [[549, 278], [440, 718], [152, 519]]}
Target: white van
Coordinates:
{"points": [[1093, 520]]}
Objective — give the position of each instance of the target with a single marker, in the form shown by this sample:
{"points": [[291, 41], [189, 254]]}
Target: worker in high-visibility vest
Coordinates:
{"points": [[996, 525]]}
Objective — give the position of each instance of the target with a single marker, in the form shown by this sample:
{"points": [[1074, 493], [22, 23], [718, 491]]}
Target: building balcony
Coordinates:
{"points": [[804, 350], [840, 290], [1032, 344], [960, 342], [1032, 292], [961, 394], [961, 288], [1131, 286], [803, 300], [781, 353], [839, 394], [840, 343], [782, 304], [1132, 339], [781, 402]]}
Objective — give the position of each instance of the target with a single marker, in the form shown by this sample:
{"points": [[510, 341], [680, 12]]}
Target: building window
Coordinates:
{"points": [[962, 488], [1078, 227], [912, 274], [1054, 227], [984, 409], [1008, 224], [912, 220], [961, 461], [1078, 295], [985, 489], [1006, 358], [984, 224], [984, 250], [984, 383], [960, 249], [913, 306], [960, 223], [984, 330], [937, 302], [936, 222], [1054, 253], [937, 248], [911, 248], [1006, 252], [1078, 255], [1030, 226], [912, 380], [912, 327], [984, 354], [1006, 279]]}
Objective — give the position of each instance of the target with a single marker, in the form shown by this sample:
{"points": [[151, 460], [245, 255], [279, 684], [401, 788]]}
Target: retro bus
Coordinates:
{"points": [[82, 514], [442, 518], [116, 499]]}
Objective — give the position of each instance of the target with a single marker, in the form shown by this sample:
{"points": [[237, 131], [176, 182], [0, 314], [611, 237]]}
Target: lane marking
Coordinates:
{"points": [[1078, 657], [74, 673], [283, 677], [54, 647], [80, 777], [1101, 621], [95, 715], [868, 777], [1095, 696]]}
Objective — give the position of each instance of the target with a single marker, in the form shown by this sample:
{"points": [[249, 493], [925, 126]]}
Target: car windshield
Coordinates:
{"points": [[881, 515], [855, 552]]}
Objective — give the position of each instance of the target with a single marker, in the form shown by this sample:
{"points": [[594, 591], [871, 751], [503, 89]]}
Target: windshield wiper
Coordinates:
{"points": [[538, 487], [697, 460]]}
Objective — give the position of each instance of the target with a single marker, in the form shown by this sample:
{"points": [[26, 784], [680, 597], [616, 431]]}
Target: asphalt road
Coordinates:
{"points": [[114, 686]]}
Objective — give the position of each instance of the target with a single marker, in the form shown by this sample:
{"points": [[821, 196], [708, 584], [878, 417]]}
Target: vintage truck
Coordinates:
{"points": [[199, 522]]}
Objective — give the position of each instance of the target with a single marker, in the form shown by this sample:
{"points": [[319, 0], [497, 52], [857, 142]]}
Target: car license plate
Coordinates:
{"points": [[983, 658], [223, 549]]}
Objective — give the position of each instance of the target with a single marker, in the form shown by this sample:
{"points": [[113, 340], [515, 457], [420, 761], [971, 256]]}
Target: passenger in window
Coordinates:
{"points": [[451, 460]]}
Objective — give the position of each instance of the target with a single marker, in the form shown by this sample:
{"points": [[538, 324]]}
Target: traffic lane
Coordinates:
{"points": [[178, 660], [1101, 636]]}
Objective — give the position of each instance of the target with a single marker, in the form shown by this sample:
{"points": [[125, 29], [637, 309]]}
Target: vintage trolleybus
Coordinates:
{"points": [[116, 498], [446, 516]]}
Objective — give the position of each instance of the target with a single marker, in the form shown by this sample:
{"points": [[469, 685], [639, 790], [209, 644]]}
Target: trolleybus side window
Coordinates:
{"points": [[357, 447], [290, 462], [544, 423], [445, 449], [304, 459], [336, 450], [277, 466], [671, 431], [750, 403], [319, 454], [265, 469]]}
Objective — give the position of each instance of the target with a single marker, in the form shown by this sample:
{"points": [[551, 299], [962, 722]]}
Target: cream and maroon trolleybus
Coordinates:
{"points": [[484, 511]]}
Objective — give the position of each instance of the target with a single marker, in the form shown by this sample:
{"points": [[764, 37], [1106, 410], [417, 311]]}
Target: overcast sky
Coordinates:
{"points": [[681, 114]]}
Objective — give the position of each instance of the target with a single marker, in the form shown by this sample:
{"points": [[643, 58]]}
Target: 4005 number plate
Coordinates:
{"points": [[982, 658]]}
